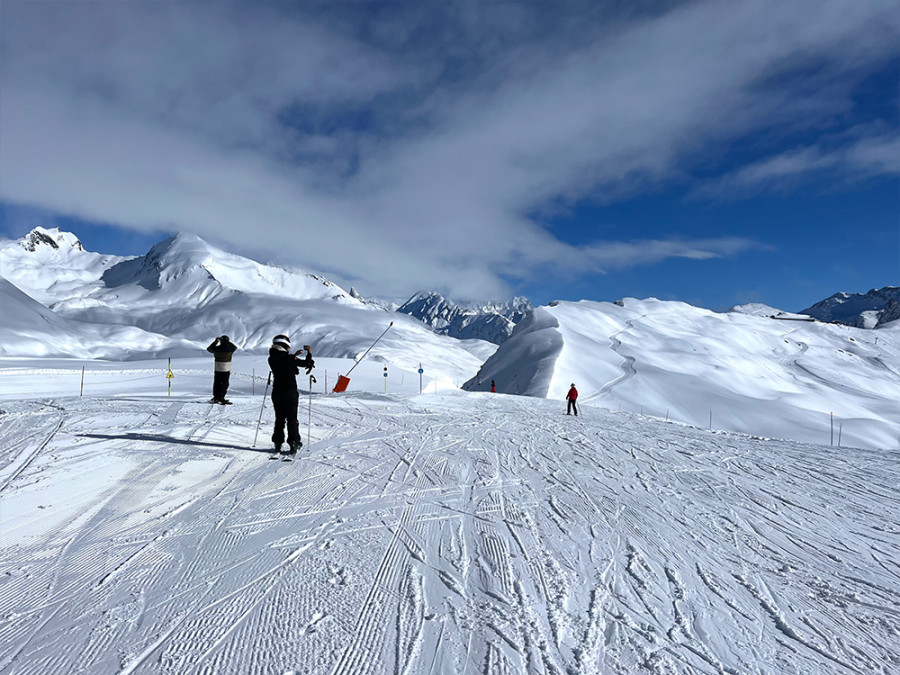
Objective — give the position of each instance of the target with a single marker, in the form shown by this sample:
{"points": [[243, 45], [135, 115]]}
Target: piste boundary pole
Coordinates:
{"points": [[369, 349]]}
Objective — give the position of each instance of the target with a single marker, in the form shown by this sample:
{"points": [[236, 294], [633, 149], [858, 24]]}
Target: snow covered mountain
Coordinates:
{"points": [[184, 292], [491, 322], [50, 265], [735, 371], [870, 310]]}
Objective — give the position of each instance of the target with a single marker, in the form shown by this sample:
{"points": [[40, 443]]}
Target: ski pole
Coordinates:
{"points": [[312, 380], [261, 408]]}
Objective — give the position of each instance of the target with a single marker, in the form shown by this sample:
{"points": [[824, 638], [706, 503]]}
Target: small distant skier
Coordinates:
{"points": [[571, 397], [493, 387], [285, 397], [222, 348]]}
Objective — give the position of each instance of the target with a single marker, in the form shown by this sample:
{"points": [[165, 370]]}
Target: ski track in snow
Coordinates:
{"points": [[444, 534]]}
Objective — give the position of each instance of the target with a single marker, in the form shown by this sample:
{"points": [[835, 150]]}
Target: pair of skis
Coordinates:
{"points": [[283, 456]]}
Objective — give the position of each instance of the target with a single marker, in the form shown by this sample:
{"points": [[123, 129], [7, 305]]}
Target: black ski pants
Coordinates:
{"points": [[571, 407], [220, 385], [285, 404]]}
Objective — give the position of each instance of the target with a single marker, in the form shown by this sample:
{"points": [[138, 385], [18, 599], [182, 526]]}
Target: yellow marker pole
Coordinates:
{"points": [[169, 376]]}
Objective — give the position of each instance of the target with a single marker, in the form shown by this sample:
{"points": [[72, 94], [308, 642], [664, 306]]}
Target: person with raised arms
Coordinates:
{"points": [[222, 348], [285, 367]]}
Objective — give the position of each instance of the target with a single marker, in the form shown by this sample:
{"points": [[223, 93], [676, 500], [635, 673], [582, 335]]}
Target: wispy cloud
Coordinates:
{"points": [[618, 255], [398, 147], [873, 155]]}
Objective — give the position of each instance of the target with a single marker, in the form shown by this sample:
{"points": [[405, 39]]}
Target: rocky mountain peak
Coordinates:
{"points": [[42, 238]]}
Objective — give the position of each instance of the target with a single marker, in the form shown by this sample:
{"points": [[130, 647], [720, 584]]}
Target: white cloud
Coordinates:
{"points": [[617, 255], [862, 158], [290, 135]]}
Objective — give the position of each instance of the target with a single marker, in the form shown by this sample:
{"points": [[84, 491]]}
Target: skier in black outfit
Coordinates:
{"points": [[222, 348], [285, 398]]}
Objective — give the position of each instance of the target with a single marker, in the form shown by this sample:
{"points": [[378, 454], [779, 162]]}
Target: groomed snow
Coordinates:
{"points": [[737, 371], [445, 532]]}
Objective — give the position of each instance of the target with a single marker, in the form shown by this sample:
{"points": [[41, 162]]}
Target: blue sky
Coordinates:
{"points": [[711, 151]]}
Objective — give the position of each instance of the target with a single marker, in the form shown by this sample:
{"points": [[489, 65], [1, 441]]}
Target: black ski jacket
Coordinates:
{"points": [[285, 367]]}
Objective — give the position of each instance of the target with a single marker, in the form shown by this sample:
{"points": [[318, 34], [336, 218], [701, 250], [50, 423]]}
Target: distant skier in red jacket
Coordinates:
{"points": [[571, 397]]}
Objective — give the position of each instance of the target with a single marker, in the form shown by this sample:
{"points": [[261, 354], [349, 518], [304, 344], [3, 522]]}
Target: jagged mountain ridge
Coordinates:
{"points": [[861, 310], [493, 322]]}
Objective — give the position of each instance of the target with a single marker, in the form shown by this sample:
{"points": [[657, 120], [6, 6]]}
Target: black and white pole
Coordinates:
{"points": [[261, 408], [420, 377], [82, 381], [385, 378]]}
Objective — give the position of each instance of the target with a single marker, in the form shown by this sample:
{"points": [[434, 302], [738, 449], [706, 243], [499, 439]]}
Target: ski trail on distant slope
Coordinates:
{"points": [[628, 368]]}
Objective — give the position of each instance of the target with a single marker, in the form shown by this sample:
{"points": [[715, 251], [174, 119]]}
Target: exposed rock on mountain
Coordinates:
{"points": [[491, 322], [869, 310]]}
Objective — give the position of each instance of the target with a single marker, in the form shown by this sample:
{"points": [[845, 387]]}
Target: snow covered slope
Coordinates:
{"points": [[185, 291], [733, 371], [456, 533], [765, 311], [31, 329]]}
